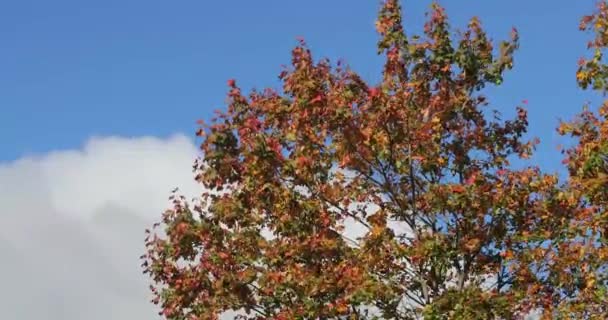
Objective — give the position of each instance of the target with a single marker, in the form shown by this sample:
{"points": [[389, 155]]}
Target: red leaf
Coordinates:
{"points": [[317, 98], [470, 180], [458, 189], [303, 161], [581, 61], [345, 161], [373, 92]]}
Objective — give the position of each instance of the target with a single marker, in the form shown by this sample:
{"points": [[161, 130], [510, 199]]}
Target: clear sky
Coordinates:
{"points": [[75, 69], [99, 99]]}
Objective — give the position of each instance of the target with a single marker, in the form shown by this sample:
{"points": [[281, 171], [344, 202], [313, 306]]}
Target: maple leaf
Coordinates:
{"points": [[345, 161], [374, 92], [471, 179], [317, 98], [458, 189], [472, 244]]}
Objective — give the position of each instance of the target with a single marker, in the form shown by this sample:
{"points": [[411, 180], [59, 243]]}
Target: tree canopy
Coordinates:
{"points": [[421, 163]]}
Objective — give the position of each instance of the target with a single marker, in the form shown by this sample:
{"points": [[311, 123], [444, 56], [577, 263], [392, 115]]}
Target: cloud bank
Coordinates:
{"points": [[73, 222]]}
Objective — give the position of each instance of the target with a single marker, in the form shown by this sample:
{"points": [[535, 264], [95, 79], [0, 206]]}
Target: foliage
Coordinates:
{"points": [[453, 230], [582, 277]]}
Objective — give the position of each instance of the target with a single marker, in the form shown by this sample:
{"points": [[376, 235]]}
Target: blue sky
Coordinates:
{"points": [[74, 69]]}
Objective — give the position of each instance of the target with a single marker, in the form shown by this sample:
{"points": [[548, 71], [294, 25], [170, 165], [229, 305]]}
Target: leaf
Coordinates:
{"points": [[458, 189]]}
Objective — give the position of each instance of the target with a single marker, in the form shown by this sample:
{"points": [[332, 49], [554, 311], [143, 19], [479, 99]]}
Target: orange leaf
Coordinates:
{"points": [[458, 189]]}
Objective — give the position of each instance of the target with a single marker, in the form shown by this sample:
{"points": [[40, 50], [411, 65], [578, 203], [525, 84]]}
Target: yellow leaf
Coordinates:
{"points": [[580, 75], [377, 230], [472, 244]]}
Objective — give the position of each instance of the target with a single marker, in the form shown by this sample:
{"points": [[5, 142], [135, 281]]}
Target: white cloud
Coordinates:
{"points": [[73, 224]]}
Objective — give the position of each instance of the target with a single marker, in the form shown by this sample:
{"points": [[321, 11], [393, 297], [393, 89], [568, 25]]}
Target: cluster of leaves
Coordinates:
{"points": [[583, 280], [452, 230]]}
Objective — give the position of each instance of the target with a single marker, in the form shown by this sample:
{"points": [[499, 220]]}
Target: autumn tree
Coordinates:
{"points": [[579, 274], [419, 161]]}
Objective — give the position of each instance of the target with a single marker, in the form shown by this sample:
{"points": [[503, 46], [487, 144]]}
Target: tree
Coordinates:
{"points": [[580, 274], [452, 229]]}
